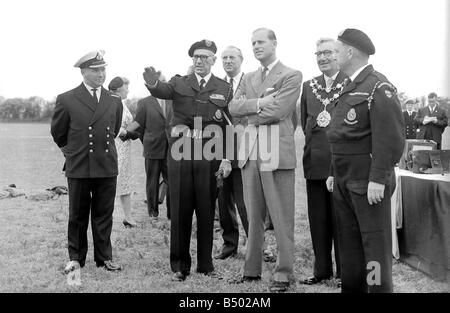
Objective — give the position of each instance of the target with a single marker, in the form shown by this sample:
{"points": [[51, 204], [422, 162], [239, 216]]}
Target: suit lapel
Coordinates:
{"points": [[271, 78], [102, 106], [361, 76], [83, 95], [210, 85], [158, 108], [192, 79]]}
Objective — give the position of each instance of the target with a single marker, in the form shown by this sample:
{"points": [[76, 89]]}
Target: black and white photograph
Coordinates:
{"points": [[238, 149]]}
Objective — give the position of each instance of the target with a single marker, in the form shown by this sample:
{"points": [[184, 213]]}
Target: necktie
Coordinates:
{"points": [[202, 84], [329, 82], [264, 73], [231, 85], [94, 92], [162, 103]]}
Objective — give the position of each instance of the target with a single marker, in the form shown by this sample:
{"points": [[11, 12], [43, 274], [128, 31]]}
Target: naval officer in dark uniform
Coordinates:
{"points": [[367, 136], [199, 102], [85, 122], [410, 124], [319, 97]]}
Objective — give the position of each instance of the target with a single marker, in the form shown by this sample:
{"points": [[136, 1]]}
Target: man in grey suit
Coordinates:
{"points": [[266, 154]]}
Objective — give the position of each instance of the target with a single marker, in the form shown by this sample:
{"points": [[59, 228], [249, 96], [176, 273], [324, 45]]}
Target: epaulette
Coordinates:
{"points": [[377, 86]]}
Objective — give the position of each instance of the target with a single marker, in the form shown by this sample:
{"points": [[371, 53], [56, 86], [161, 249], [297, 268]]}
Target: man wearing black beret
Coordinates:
{"points": [[367, 136], [199, 103]]}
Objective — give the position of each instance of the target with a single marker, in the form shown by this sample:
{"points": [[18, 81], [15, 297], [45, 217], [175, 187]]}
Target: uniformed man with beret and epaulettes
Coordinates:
{"points": [[84, 124], [199, 99], [367, 136]]}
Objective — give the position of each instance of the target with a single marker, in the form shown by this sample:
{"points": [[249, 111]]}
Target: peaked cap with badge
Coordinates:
{"points": [[203, 44], [93, 59]]}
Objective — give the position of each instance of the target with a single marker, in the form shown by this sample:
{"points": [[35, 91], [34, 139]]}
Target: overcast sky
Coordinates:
{"points": [[41, 40]]}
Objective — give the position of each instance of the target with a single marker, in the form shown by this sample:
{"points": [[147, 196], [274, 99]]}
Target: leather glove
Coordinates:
{"points": [[151, 76]]}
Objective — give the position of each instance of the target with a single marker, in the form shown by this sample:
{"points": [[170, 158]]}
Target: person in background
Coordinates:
{"points": [[409, 116], [119, 87], [432, 121], [152, 119], [231, 194], [84, 124]]}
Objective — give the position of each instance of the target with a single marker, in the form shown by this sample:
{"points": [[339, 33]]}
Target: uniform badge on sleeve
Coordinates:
{"points": [[388, 93], [351, 117]]}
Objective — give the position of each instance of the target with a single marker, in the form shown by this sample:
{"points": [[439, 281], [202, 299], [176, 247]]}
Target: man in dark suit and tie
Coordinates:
{"points": [[152, 119], [319, 97], [85, 122], [231, 194], [266, 154], [410, 124], [432, 121]]}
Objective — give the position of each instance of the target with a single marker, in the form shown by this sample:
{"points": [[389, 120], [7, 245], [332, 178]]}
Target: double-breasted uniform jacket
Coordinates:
{"points": [[431, 131], [410, 124], [154, 126], [368, 120], [317, 154], [85, 132]]}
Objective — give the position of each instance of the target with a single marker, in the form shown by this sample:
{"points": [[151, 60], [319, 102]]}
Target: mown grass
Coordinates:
{"points": [[33, 249]]}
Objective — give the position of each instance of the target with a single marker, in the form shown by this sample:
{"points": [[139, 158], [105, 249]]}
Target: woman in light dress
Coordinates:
{"points": [[119, 86]]}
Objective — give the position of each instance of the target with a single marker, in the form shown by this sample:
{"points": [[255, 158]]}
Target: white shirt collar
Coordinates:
{"points": [[332, 77], [236, 78], [206, 78], [358, 71], [98, 92], [270, 66]]}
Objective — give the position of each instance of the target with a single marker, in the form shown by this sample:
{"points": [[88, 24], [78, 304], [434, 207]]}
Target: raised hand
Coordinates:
{"points": [[151, 76]]}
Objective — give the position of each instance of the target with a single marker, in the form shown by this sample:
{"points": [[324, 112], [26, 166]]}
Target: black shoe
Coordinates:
{"points": [[109, 266], [153, 213], [225, 255], [269, 257], [245, 279], [212, 274], [279, 286], [179, 276], [128, 224], [313, 280]]}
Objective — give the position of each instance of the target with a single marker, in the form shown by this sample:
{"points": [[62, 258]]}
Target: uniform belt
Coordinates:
{"points": [[190, 133], [363, 146]]}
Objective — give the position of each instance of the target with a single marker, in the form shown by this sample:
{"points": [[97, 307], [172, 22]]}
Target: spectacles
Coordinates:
{"points": [[325, 53], [200, 56]]}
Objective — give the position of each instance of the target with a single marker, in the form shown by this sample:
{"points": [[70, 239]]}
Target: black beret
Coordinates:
{"points": [[357, 39], [115, 83], [203, 44]]}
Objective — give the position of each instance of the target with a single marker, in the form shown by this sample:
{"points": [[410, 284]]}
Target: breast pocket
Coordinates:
{"points": [[216, 110], [357, 112]]}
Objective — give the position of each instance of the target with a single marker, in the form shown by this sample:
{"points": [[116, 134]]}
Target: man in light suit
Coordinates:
{"points": [[84, 124], [231, 194], [432, 121], [267, 97]]}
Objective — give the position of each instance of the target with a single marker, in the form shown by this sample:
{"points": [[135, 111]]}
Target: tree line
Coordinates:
{"points": [[37, 109]]}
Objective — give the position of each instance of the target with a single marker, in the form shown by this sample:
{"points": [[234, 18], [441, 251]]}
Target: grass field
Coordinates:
{"points": [[33, 246]]}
